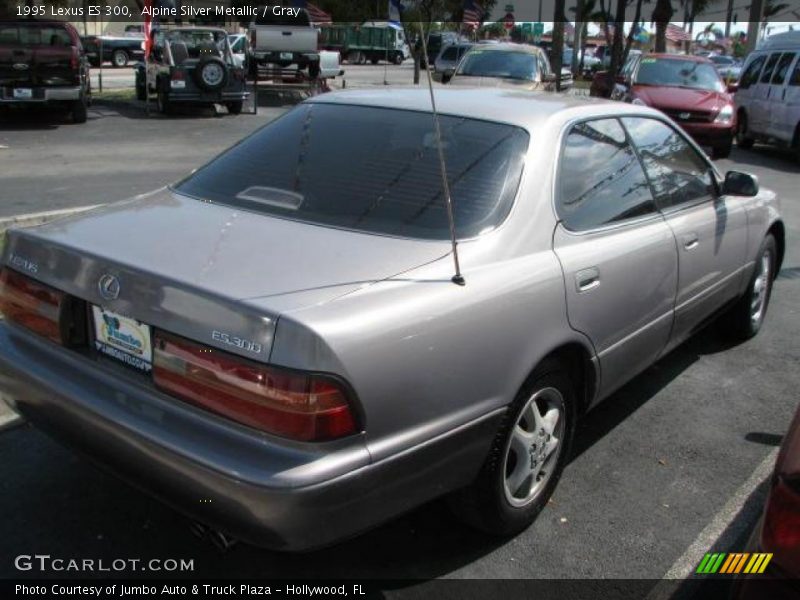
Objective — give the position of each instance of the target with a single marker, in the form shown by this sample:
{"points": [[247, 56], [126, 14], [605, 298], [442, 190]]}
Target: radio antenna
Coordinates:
{"points": [[458, 278]]}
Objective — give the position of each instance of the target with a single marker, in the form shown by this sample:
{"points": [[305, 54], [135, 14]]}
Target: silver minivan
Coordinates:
{"points": [[768, 98]]}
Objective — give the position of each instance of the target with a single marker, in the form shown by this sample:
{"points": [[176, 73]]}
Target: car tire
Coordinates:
{"points": [[313, 70], [746, 317], [235, 108], [374, 61], [210, 74], [722, 151], [490, 503], [743, 140], [119, 58], [80, 110], [398, 58]]}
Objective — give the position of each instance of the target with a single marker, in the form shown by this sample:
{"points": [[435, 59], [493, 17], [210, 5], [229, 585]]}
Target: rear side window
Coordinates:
{"points": [[35, 35], [370, 169], [766, 75], [783, 66], [601, 179], [795, 79], [678, 174], [750, 75]]}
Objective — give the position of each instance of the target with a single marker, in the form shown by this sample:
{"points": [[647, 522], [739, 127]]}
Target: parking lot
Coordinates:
{"points": [[673, 464]]}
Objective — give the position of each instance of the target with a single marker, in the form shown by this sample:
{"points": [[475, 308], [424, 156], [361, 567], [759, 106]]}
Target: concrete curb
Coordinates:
{"points": [[31, 219]]}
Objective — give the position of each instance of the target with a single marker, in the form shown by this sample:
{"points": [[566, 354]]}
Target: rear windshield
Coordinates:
{"points": [[34, 35], [370, 169], [672, 72], [270, 18], [499, 63]]}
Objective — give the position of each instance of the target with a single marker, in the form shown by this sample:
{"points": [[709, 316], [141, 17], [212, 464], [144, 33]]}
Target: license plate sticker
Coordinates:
{"points": [[123, 338], [23, 93]]}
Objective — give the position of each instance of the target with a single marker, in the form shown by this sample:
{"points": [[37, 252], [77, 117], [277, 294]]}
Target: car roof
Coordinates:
{"points": [[689, 57], [526, 109], [510, 47]]}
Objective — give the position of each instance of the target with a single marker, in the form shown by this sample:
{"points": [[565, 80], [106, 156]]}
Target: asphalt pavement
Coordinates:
{"points": [[654, 469]]}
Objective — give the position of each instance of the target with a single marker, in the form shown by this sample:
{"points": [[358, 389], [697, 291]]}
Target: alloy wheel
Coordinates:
{"points": [[533, 449]]}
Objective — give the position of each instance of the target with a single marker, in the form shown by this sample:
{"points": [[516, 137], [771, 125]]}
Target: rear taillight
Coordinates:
{"points": [[781, 530], [293, 404], [31, 304], [74, 59]]}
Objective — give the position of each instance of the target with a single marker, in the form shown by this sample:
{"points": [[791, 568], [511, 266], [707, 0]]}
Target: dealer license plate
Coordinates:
{"points": [[123, 338], [286, 56], [23, 93]]}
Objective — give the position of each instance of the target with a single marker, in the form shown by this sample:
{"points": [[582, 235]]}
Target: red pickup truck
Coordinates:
{"points": [[42, 62]]}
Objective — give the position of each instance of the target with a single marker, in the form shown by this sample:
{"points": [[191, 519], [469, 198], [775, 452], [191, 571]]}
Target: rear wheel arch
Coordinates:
{"points": [[778, 231], [576, 358]]}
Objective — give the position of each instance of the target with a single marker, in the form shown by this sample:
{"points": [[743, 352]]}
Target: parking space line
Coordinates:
{"points": [[686, 564]]}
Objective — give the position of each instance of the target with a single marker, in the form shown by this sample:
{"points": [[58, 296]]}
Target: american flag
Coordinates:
{"points": [[315, 13], [146, 29], [473, 14]]}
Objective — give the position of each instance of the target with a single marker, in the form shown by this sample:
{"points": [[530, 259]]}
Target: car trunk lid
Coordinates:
{"points": [[196, 268]]}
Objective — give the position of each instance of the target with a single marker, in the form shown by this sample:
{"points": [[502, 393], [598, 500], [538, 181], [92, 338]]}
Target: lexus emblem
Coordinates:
{"points": [[685, 115], [108, 286]]}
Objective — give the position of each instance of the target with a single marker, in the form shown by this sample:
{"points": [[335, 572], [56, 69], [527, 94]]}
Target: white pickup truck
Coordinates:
{"points": [[284, 40]]}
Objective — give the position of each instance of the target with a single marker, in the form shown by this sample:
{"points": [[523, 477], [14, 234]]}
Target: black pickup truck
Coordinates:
{"points": [[42, 62], [118, 50]]}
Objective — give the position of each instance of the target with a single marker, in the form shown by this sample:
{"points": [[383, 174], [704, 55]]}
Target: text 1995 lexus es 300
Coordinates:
{"points": [[280, 332]]}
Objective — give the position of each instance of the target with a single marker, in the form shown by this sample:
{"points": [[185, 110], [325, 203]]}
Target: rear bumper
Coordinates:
{"points": [[302, 58], [269, 492], [40, 95], [195, 95]]}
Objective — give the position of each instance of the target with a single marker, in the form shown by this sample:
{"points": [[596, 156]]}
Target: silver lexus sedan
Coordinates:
{"points": [[276, 347]]}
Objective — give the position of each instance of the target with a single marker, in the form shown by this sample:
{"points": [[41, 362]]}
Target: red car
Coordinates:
{"points": [[686, 88], [778, 531]]}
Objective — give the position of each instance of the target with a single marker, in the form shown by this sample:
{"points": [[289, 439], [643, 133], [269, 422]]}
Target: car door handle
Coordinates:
{"points": [[691, 241], [587, 279], [286, 32]]}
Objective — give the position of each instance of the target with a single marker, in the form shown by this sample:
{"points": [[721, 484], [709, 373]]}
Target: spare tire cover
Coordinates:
{"points": [[211, 74]]}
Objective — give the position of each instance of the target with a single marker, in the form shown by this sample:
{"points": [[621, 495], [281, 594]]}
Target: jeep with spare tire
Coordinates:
{"points": [[191, 65]]}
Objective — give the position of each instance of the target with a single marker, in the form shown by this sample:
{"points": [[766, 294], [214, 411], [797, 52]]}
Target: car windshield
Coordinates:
{"points": [[670, 72], [499, 63], [370, 169]]}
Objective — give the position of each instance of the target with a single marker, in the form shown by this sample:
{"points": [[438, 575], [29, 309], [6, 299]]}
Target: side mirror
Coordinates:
{"points": [[740, 184], [733, 87]]}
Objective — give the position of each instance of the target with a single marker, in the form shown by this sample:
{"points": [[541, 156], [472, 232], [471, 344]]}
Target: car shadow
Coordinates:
{"points": [[33, 119], [633, 395]]}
